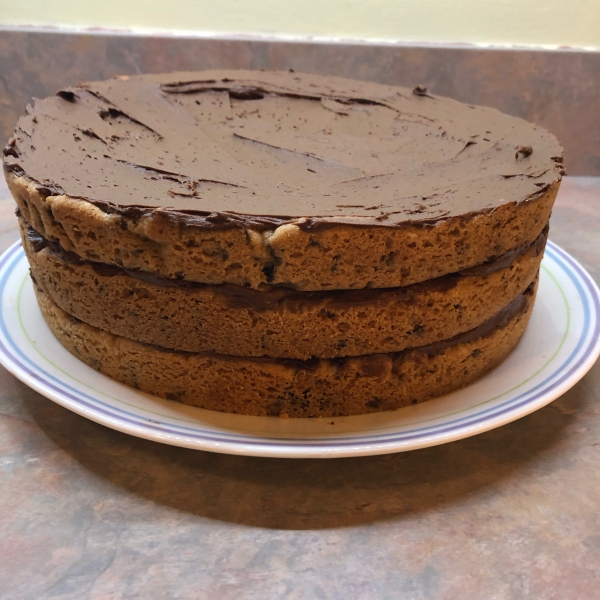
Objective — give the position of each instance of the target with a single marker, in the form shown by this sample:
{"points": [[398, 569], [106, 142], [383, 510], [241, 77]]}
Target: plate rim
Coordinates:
{"points": [[335, 446]]}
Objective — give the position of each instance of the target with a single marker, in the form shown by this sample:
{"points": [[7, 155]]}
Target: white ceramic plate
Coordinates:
{"points": [[560, 345]]}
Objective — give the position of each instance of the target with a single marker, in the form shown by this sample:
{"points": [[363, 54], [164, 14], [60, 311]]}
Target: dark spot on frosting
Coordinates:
{"points": [[523, 152]]}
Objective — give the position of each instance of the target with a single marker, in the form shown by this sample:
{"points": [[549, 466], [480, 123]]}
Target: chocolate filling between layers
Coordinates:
{"points": [[373, 365], [257, 150], [241, 297]]}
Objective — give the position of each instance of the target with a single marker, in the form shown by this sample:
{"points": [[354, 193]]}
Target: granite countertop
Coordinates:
{"points": [[87, 512]]}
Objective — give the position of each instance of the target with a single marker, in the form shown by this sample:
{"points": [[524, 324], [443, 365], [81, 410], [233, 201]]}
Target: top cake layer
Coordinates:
{"points": [[222, 149], [277, 178]]}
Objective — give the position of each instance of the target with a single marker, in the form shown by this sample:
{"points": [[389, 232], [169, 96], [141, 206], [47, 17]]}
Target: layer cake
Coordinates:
{"points": [[276, 243]]}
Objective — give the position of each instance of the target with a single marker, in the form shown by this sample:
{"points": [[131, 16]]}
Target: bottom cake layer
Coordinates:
{"points": [[294, 388]]}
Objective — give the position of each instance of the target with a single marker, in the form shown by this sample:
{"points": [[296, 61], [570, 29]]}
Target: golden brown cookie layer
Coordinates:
{"points": [[307, 181], [279, 323], [261, 386], [340, 257]]}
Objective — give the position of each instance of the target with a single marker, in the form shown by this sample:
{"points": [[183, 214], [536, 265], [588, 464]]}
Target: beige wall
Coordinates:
{"points": [[547, 23]]}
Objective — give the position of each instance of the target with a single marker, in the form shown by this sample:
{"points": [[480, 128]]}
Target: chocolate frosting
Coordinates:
{"points": [[272, 297], [220, 149]]}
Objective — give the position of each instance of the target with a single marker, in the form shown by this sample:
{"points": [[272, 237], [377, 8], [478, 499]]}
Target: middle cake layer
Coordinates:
{"points": [[279, 323]]}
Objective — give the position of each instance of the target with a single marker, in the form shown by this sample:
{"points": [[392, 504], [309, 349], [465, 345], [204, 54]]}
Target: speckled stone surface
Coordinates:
{"points": [[86, 512]]}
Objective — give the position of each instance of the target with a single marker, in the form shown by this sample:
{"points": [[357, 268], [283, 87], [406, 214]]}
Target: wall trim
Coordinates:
{"points": [[284, 38]]}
